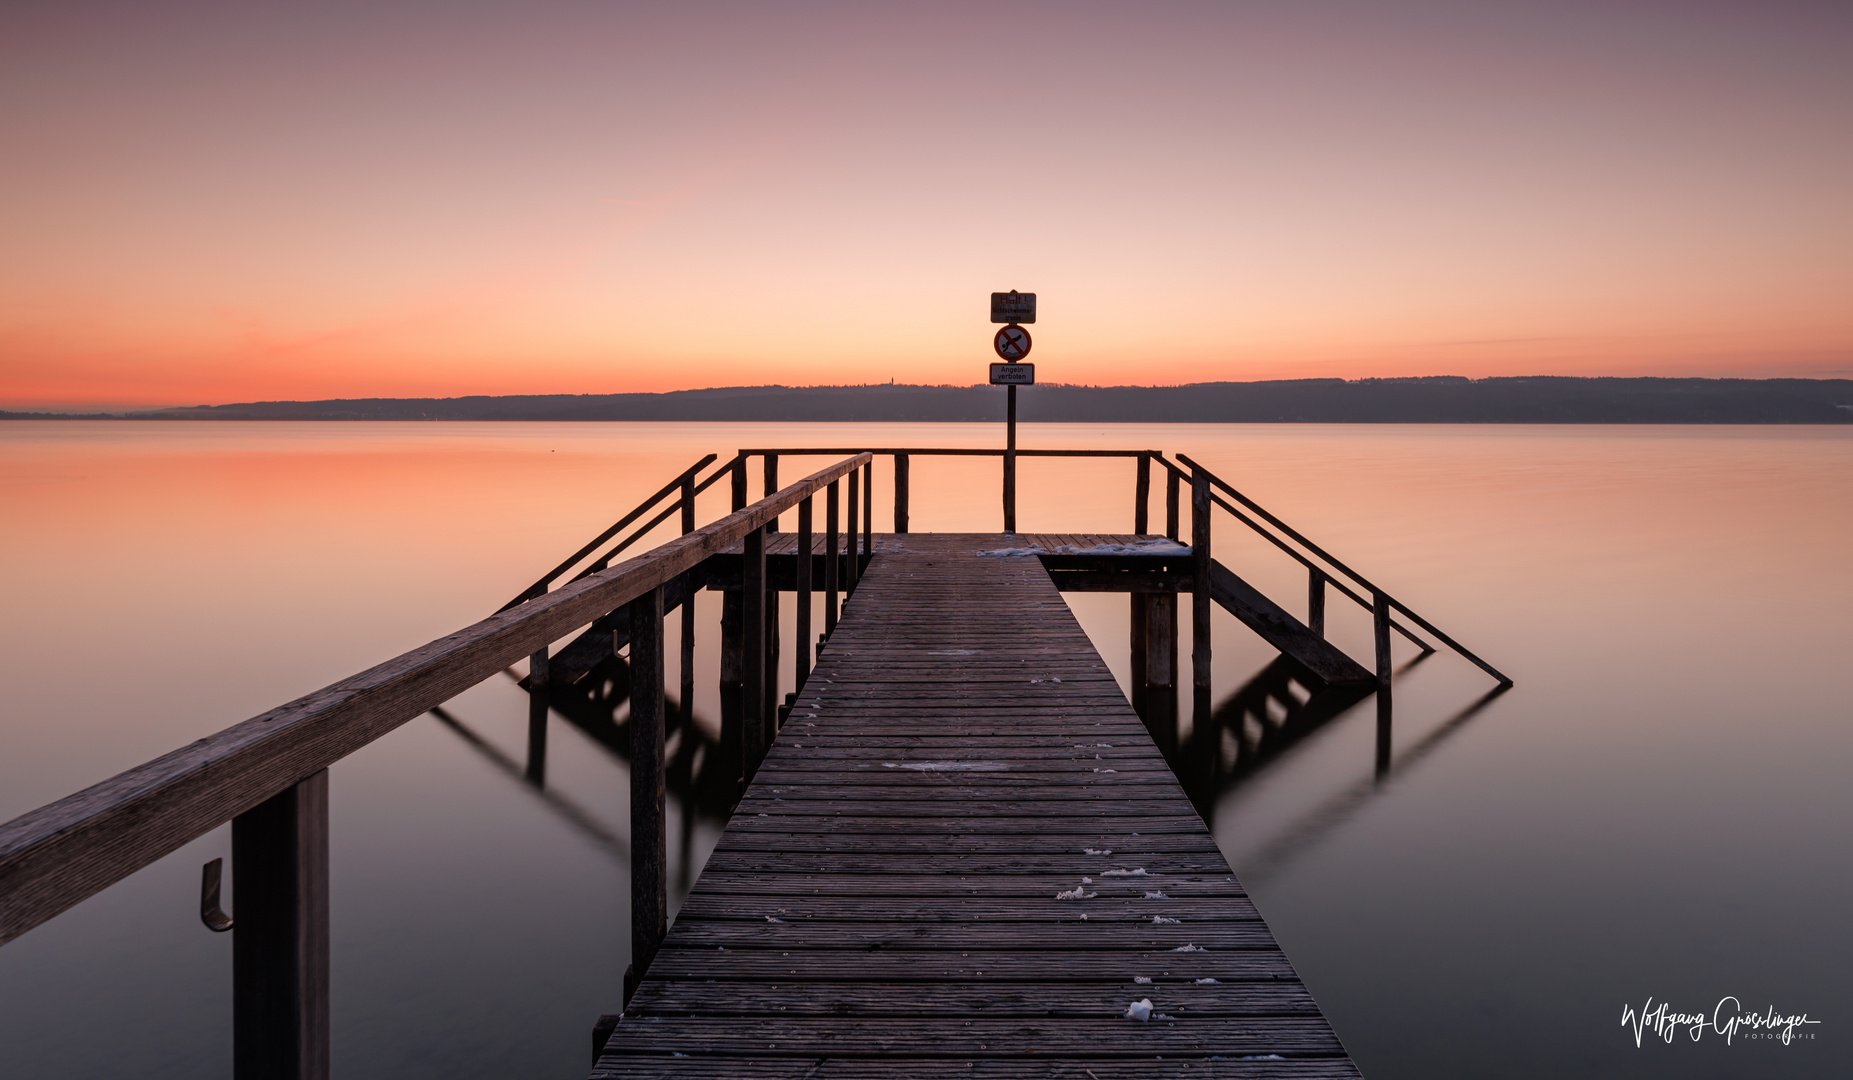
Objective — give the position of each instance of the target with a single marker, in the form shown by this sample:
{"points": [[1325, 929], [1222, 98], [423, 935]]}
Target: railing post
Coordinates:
{"points": [[536, 771], [753, 652], [686, 654], [772, 486], [1171, 514], [649, 842], [900, 493], [1200, 590], [1142, 496], [853, 568], [280, 940], [801, 659], [538, 680], [868, 514], [1161, 640], [1315, 600], [1010, 462], [1141, 619], [739, 482], [833, 563], [1380, 624]]}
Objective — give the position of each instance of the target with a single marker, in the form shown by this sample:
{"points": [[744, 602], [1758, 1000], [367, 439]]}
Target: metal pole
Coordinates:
{"points": [[1010, 460]]}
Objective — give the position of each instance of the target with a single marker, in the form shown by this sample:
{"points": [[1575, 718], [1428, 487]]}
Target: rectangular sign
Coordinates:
{"points": [[1013, 374], [1013, 307]]}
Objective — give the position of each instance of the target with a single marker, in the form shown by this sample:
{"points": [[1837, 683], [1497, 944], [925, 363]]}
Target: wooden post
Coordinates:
{"points": [[772, 486], [801, 659], [1010, 460], [739, 483], [649, 842], [538, 680], [1161, 640], [536, 771], [1142, 496], [771, 667], [868, 513], [900, 493], [1380, 624], [1315, 600], [280, 940], [1141, 617], [1200, 591], [1385, 713], [853, 567], [833, 563], [753, 652], [686, 654], [1171, 514]]}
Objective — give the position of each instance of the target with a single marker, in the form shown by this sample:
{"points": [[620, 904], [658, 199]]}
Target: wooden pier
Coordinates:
{"points": [[964, 856], [955, 850]]}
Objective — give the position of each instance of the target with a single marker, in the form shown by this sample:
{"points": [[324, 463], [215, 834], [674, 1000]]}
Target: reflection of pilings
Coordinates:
{"points": [[1253, 727], [559, 804], [1307, 831], [702, 773]]}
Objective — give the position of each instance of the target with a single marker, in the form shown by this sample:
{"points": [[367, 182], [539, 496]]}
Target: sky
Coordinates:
{"points": [[215, 202]]}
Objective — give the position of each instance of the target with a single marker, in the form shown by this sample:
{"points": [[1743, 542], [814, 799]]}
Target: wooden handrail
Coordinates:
{"points": [[962, 451], [642, 508], [1362, 582], [60, 854], [683, 506]]}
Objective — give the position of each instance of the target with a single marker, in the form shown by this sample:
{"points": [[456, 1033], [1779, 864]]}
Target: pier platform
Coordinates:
{"points": [[963, 855]]}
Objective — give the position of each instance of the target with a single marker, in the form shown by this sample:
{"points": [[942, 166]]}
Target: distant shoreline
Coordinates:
{"points": [[1429, 400]]}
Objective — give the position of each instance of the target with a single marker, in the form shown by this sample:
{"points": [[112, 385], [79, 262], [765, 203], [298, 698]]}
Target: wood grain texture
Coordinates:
{"points": [[885, 900], [53, 857]]}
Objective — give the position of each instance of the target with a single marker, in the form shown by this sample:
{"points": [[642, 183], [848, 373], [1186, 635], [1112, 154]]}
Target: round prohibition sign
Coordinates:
{"points": [[1012, 342]]}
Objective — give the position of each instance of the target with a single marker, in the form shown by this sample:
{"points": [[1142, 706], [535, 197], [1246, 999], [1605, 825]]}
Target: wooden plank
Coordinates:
{"points": [[1284, 632], [58, 855], [948, 856]]}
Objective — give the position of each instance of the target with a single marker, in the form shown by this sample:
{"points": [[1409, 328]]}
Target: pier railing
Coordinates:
{"points": [[1324, 571], [268, 775]]}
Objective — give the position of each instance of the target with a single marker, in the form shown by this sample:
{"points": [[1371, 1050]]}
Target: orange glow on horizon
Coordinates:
{"points": [[360, 205]]}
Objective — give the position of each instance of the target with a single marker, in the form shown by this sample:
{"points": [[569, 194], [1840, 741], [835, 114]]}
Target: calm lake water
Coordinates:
{"points": [[1659, 810]]}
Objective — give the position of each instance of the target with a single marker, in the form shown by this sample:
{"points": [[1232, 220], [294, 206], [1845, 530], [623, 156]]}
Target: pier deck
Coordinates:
{"points": [[884, 901]]}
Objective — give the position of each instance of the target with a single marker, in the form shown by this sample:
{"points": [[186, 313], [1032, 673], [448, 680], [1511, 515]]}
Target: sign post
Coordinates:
{"points": [[1012, 344]]}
